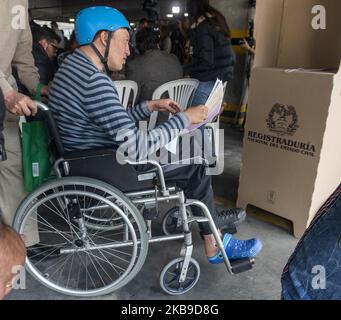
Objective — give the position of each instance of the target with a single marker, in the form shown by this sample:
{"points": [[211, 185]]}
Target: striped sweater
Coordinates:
{"points": [[89, 115]]}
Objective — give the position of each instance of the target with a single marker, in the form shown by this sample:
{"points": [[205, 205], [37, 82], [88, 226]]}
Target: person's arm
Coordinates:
{"points": [[4, 85], [106, 111], [15, 102], [247, 47], [23, 59]]}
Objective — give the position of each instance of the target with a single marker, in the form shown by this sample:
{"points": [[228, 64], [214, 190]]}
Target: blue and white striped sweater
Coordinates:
{"points": [[89, 115]]}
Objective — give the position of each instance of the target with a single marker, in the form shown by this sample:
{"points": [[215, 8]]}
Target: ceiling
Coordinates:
{"points": [[63, 10]]}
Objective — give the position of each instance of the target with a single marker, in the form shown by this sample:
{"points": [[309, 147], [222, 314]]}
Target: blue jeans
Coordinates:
{"points": [[202, 93], [200, 97], [314, 270]]}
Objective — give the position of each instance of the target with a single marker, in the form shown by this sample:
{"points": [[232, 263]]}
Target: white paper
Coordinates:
{"points": [[213, 103]]}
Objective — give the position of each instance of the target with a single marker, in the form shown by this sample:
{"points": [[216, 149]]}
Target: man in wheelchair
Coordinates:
{"points": [[89, 115]]}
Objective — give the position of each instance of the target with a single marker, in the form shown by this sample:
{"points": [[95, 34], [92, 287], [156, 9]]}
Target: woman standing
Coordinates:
{"points": [[211, 51]]}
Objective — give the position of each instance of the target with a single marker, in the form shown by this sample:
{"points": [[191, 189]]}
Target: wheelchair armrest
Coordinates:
{"points": [[83, 163], [158, 169]]}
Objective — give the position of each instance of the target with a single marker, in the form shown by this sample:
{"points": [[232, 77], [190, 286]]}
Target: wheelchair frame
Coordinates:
{"points": [[151, 198]]}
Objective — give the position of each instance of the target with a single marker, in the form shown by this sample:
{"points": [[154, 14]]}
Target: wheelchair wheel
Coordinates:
{"points": [[172, 221], [72, 258], [170, 276]]}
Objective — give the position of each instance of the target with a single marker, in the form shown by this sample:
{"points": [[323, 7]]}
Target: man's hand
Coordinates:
{"points": [[197, 114], [20, 105], [166, 105]]}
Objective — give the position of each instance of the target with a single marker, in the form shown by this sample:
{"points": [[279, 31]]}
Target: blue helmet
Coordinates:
{"points": [[91, 20]]}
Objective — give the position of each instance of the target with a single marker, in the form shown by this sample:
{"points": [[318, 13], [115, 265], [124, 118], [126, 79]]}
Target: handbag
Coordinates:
{"points": [[37, 162]]}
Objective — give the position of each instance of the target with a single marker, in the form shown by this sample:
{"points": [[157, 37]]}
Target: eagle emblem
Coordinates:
{"points": [[282, 120]]}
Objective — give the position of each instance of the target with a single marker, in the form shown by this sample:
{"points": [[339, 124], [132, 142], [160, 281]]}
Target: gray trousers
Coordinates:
{"points": [[11, 178]]}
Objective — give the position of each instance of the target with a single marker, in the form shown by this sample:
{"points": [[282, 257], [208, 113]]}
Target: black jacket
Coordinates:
{"points": [[2, 119], [45, 66], [213, 56]]}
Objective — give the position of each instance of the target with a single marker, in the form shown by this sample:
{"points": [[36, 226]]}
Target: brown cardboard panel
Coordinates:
{"points": [[268, 22], [286, 39], [280, 165], [301, 46], [329, 170]]}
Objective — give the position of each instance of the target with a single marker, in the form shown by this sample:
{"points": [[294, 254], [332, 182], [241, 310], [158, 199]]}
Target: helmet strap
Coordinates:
{"points": [[104, 60]]}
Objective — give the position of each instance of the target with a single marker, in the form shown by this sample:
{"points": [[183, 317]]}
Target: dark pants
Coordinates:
{"points": [[196, 185]]}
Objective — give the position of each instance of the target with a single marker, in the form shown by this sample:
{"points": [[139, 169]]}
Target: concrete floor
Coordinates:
{"points": [[261, 283]]}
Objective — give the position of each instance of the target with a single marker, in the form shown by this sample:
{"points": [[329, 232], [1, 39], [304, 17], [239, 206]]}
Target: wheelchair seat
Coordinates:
{"points": [[100, 164]]}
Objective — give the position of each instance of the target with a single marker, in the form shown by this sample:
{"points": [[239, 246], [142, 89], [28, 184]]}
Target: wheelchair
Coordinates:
{"points": [[95, 224]]}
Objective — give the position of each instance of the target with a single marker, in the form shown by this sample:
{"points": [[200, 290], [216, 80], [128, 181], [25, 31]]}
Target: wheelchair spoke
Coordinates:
{"points": [[70, 257], [49, 225], [89, 254], [86, 270], [105, 260], [61, 266], [66, 220], [70, 269]]}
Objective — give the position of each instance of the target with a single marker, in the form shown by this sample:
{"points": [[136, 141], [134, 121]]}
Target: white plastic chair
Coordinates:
{"points": [[181, 91], [125, 88], [213, 132]]}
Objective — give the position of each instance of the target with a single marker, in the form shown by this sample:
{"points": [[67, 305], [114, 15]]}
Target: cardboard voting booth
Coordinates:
{"points": [[292, 144]]}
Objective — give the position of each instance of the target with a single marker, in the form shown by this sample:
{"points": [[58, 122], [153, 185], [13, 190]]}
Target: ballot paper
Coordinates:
{"points": [[213, 103]]}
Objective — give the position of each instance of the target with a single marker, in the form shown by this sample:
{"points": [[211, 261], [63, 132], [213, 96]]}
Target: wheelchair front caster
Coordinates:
{"points": [[172, 221], [170, 276]]}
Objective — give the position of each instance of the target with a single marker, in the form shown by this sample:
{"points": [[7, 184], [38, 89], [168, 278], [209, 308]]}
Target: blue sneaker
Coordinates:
{"points": [[237, 249]]}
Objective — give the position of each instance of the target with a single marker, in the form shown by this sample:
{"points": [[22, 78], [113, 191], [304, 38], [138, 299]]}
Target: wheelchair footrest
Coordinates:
{"points": [[243, 265]]}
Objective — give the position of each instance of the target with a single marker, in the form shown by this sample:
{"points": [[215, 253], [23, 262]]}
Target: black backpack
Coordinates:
{"points": [[2, 119]]}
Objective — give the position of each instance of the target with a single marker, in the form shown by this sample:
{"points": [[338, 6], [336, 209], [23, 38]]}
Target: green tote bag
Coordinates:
{"points": [[36, 157]]}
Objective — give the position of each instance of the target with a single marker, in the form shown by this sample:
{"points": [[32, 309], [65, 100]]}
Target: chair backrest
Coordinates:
{"points": [[181, 91], [56, 145], [126, 89]]}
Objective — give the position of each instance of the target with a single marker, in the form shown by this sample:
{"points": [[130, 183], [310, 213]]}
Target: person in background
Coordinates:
{"points": [[72, 47], [15, 49], [44, 52], [165, 40], [143, 23], [153, 67], [184, 27], [55, 28], [212, 54], [245, 45]]}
